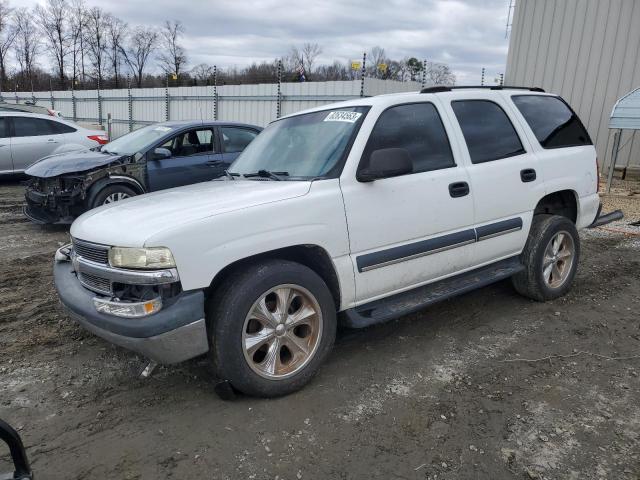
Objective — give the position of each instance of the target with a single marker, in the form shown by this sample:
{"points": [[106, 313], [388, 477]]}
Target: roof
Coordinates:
{"points": [[390, 99], [195, 123], [626, 112]]}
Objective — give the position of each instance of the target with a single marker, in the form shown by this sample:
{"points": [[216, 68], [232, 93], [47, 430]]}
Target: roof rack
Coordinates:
{"points": [[444, 88]]}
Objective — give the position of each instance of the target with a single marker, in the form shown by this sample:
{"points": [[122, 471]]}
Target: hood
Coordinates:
{"points": [[130, 222], [71, 162]]}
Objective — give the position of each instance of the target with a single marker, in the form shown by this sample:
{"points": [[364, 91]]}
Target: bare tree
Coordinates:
{"points": [[7, 37], [116, 34], [172, 57], [439, 74], [26, 43], [138, 50], [78, 26], [96, 39], [52, 19], [310, 52], [202, 72], [377, 57]]}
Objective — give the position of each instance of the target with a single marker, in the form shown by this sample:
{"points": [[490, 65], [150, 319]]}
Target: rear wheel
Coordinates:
{"points": [[272, 325], [112, 194], [550, 258]]}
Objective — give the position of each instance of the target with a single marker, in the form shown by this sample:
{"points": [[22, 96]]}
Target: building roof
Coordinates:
{"points": [[626, 112]]}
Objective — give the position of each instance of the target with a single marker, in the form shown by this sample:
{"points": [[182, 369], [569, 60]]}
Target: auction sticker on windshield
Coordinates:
{"points": [[342, 116]]}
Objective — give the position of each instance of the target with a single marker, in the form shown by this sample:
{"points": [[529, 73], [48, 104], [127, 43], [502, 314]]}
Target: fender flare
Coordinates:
{"points": [[114, 180]]}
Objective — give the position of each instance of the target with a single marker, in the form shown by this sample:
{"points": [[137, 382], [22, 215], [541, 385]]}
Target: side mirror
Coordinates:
{"points": [[385, 163], [161, 153]]}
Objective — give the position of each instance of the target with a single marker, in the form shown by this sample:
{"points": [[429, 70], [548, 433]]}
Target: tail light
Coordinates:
{"points": [[51, 112], [101, 139]]}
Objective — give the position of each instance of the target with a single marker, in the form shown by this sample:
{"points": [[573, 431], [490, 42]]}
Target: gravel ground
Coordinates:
{"points": [[485, 386]]}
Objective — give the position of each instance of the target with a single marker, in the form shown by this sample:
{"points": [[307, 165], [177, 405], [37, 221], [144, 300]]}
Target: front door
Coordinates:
{"points": [[193, 159], [409, 230]]}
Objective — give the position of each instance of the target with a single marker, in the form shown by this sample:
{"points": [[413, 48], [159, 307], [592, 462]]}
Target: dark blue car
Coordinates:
{"points": [[159, 156]]}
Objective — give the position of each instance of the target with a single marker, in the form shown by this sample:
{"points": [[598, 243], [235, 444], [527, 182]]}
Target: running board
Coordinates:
{"points": [[411, 301]]}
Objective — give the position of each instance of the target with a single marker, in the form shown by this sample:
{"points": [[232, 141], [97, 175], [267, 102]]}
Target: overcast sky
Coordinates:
{"points": [[466, 34]]}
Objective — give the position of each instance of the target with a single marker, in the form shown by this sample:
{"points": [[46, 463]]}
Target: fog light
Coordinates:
{"points": [[127, 309]]}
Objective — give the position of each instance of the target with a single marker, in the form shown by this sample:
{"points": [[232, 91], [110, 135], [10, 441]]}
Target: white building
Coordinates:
{"points": [[588, 51]]}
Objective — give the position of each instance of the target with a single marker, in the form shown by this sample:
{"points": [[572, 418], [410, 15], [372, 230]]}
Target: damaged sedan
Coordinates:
{"points": [[155, 157]]}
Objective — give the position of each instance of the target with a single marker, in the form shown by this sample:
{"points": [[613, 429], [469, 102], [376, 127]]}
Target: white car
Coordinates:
{"points": [[372, 208], [28, 137]]}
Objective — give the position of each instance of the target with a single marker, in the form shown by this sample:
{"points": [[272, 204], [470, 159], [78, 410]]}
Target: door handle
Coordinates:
{"points": [[52, 140], [527, 175], [214, 163], [458, 189]]}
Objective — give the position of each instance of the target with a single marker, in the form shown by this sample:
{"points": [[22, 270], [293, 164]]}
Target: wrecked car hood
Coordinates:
{"points": [[130, 222], [71, 162]]}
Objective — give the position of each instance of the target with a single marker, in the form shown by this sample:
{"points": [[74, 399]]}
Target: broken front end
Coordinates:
{"points": [[55, 200]]}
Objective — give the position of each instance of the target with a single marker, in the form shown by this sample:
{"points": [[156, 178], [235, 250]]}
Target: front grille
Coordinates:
{"points": [[91, 251], [93, 282]]}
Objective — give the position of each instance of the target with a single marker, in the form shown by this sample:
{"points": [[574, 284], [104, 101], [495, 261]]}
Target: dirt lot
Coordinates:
{"points": [[444, 394]]}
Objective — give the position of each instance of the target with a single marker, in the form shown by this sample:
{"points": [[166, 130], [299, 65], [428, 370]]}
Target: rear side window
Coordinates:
{"points": [[418, 129], [487, 130], [553, 123], [59, 127], [33, 127], [235, 140]]}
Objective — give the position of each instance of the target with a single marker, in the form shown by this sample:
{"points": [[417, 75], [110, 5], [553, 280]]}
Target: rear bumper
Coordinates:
{"points": [[176, 333], [606, 218]]}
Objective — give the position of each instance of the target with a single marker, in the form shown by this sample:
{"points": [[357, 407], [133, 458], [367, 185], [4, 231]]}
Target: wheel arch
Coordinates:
{"points": [[312, 256], [114, 180], [560, 202]]}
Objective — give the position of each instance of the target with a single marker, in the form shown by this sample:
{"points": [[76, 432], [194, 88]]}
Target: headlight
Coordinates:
{"points": [[144, 258]]}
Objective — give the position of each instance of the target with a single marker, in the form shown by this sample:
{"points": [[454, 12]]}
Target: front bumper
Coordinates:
{"points": [[43, 208], [176, 333]]}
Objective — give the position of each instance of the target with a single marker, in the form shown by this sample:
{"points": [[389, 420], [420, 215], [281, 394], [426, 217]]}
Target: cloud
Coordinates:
{"points": [[466, 34]]}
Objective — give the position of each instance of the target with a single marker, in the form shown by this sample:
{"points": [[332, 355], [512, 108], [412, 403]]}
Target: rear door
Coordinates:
{"points": [[505, 176], [194, 159], [6, 163], [32, 139], [412, 229]]}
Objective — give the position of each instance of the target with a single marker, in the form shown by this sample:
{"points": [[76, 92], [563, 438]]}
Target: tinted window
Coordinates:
{"points": [[33, 127], [4, 127], [487, 130], [552, 121], [236, 139], [416, 128], [58, 127]]}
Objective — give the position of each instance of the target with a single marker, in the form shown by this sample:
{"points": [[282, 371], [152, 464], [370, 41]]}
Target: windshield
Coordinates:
{"points": [[305, 146], [137, 140]]}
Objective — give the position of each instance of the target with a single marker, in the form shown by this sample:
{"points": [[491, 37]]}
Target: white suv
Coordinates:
{"points": [[373, 208]]}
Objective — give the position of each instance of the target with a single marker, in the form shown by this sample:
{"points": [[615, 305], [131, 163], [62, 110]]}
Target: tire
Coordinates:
{"points": [[548, 275], [106, 195], [279, 365]]}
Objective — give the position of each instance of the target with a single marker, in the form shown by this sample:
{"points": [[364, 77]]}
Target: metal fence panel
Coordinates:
{"points": [[255, 104]]}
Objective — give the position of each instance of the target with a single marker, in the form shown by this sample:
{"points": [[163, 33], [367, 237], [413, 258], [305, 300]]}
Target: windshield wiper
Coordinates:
{"points": [[267, 174], [231, 175]]}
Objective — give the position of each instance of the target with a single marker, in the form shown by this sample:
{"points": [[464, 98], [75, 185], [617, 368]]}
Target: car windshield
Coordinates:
{"points": [[133, 142], [305, 146]]}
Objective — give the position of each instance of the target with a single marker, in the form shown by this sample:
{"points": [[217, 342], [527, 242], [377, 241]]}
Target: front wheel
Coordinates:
{"points": [[550, 258], [272, 325], [112, 194]]}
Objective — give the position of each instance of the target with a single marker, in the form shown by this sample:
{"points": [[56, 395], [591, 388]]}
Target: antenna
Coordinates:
{"points": [[509, 19]]}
